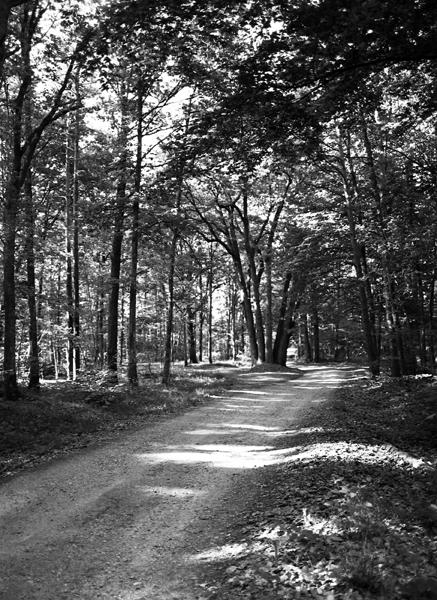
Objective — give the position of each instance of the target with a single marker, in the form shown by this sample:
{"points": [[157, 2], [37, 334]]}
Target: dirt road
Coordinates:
{"points": [[142, 518]]}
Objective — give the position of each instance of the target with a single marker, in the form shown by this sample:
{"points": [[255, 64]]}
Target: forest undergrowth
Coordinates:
{"points": [[353, 514], [67, 415]]}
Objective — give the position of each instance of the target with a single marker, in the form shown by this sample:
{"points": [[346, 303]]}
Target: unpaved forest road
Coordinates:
{"points": [[133, 519]]}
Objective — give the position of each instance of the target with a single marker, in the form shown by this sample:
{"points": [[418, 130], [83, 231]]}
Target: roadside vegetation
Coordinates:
{"points": [[67, 415]]}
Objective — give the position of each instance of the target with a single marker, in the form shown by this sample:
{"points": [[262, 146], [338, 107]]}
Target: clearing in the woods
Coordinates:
{"points": [[310, 484]]}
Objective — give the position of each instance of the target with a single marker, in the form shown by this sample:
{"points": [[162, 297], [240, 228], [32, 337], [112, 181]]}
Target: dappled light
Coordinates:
{"points": [[220, 553], [234, 456], [173, 492]]}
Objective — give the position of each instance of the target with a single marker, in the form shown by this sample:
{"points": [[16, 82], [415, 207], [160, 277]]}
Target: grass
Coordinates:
{"points": [[69, 415]]}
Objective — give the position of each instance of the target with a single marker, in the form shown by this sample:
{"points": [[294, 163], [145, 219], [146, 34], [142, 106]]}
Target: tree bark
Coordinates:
{"points": [[117, 239], [170, 310], [34, 382], [316, 333], [210, 283], [69, 174], [132, 368], [76, 227], [308, 352]]}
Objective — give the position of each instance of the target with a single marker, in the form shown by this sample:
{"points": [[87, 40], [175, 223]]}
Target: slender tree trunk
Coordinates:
{"points": [[100, 306], [308, 352], [132, 370], [34, 382], [201, 318], [210, 292], [191, 330], [170, 310], [122, 341], [117, 240], [76, 226], [184, 326], [69, 174], [9, 235], [316, 333], [31, 291], [269, 309]]}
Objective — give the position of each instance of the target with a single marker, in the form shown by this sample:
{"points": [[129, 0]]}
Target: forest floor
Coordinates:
{"points": [[318, 486], [67, 415]]}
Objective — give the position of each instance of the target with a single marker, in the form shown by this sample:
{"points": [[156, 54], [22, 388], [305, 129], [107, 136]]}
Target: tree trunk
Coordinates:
{"points": [[269, 311], [259, 348], [34, 382], [69, 174], [308, 352], [316, 333], [170, 310], [132, 369], [210, 292], [76, 225], [201, 318], [9, 235], [191, 329], [117, 240]]}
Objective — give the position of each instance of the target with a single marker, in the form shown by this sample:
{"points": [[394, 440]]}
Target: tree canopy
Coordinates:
{"points": [[200, 180]]}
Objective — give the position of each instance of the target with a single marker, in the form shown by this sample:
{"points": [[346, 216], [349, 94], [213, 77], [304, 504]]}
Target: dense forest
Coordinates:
{"points": [[205, 180]]}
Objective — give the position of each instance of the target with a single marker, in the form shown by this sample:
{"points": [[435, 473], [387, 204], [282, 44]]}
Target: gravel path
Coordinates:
{"points": [[144, 517]]}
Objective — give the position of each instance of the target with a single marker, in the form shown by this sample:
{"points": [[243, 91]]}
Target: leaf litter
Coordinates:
{"points": [[353, 515]]}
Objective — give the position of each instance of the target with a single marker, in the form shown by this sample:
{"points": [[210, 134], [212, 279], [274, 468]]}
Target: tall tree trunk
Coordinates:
{"points": [[269, 310], [268, 269], [16, 178], [201, 318], [255, 280], [31, 290], [69, 174], [34, 382], [76, 226], [210, 292], [117, 239], [132, 370], [9, 235]]}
